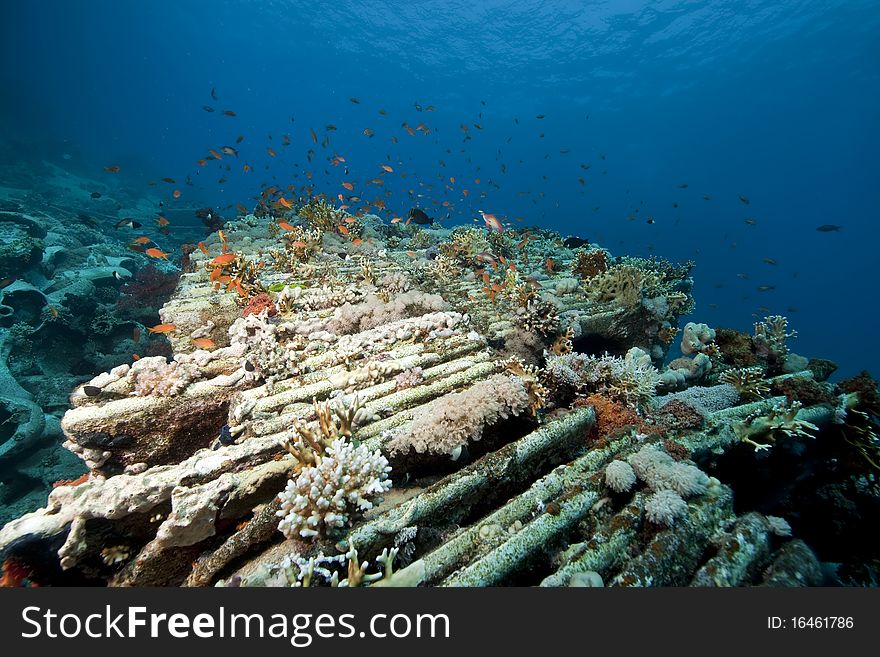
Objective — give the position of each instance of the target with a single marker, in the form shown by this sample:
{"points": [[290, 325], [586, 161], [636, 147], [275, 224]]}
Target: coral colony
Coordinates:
{"points": [[343, 401]]}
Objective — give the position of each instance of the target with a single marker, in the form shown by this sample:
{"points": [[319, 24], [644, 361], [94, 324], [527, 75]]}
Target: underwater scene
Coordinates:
{"points": [[575, 293]]}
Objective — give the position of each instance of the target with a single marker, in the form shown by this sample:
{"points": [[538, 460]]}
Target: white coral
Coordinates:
{"points": [[156, 376], [344, 483]]}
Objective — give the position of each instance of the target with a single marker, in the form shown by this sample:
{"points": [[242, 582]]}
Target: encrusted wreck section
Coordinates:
{"points": [[457, 408]]}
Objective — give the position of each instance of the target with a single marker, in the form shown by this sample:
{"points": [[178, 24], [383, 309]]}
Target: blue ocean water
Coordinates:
{"points": [[777, 103]]}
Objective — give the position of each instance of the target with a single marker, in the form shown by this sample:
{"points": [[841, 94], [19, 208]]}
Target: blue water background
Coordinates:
{"points": [[775, 101]]}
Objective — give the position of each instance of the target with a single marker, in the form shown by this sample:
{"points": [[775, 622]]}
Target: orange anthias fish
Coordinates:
{"points": [[285, 225], [349, 186], [176, 193], [246, 168], [342, 229], [215, 154], [162, 221], [387, 168], [204, 343], [156, 253], [287, 204], [162, 328], [492, 222], [143, 239], [224, 259], [271, 151]]}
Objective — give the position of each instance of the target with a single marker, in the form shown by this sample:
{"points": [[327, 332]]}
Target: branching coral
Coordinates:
{"points": [[467, 244], [445, 425], [769, 339], [761, 429], [337, 419], [541, 317], [632, 379], [320, 214], [343, 483], [530, 376], [748, 381]]}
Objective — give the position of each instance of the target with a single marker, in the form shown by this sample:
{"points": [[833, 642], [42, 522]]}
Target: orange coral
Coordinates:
{"points": [[611, 416], [258, 303]]}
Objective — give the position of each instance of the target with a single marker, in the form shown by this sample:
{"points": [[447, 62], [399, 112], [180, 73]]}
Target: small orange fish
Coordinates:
{"points": [[369, 132], [135, 357], [377, 181], [452, 179], [113, 168], [53, 311], [241, 208], [285, 225], [201, 163], [271, 151], [350, 220], [215, 154], [342, 229], [247, 167], [412, 254], [162, 328], [156, 253], [224, 259], [348, 186], [204, 343], [395, 220], [287, 204], [176, 193], [314, 136], [203, 248], [222, 237], [228, 113], [143, 239], [387, 168], [162, 221], [357, 241]]}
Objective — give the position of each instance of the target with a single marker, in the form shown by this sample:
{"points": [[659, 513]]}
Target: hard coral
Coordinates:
{"points": [[326, 496], [748, 381], [259, 303]]}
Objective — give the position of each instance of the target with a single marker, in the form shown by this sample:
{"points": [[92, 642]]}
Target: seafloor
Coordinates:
{"points": [[332, 399]]}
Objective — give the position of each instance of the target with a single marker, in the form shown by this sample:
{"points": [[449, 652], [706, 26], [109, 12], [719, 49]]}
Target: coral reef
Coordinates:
{"points": [[515, 385]]}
